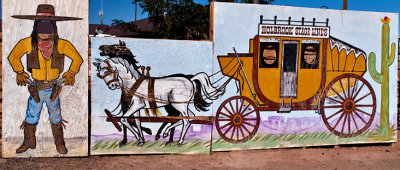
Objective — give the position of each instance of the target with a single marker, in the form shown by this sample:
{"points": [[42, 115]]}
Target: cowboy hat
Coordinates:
{"points": [[45, 12]]}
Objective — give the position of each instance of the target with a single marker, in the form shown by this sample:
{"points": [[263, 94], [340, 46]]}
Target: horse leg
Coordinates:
{"points": [[185, 127], [136, 105], [171, 136], [190, 113], [160, 130], [145, 129], [167, 131], [137, 121], [125, 140], [126, 124], [171, 112], [183, 109], [125, 107]]}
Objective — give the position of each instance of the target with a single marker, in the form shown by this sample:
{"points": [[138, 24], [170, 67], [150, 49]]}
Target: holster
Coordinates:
{"points": [[55, 92], [34, 93]]}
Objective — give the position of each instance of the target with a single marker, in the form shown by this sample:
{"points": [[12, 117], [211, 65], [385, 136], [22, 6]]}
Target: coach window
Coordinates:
{"points": [[310, 55], [269, 53]]}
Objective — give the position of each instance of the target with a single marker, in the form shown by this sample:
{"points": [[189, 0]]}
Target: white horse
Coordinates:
{"points": [[177, 90]]}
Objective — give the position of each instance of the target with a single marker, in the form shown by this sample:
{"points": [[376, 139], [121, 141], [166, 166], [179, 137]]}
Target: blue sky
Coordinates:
{"points": [[124, 9], [117, 9]]}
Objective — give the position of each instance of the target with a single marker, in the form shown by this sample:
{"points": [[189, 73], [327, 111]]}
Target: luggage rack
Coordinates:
{"points": [[303, 22]]}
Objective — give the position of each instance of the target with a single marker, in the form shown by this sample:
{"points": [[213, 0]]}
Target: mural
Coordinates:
{"points": [[301, 79], [173, 99], [41, 52]]}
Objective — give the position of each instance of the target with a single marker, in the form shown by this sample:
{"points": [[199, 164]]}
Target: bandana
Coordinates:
{"points": [[46, 47]]}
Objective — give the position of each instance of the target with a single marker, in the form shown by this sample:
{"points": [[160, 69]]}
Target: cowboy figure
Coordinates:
{"points": [[45, 62]]}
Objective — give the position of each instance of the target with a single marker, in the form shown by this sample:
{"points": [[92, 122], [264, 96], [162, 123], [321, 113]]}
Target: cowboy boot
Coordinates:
{"points": [[29, 137], [59, 138]]}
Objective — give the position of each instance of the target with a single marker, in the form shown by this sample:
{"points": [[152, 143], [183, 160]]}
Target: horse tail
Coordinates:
{"points": [[199, 103], [204, 85]]}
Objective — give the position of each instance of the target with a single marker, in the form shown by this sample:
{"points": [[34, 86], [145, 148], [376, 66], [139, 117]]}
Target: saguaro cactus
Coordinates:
{"points": [[383, 77]]}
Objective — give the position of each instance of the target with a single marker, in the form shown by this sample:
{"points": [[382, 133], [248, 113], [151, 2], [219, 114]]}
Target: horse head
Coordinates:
{"points": [[119, 50], [114, 50], [106, 72]]}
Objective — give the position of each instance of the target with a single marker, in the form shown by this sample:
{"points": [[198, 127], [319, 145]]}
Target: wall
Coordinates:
{"points": [[74, 103]]}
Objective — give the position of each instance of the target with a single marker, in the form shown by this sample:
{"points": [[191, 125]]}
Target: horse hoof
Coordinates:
{"points": [[165, 135], [179, 144], [169, 143], [122, 144], [140, 144], [157, 137], [148, 131]]}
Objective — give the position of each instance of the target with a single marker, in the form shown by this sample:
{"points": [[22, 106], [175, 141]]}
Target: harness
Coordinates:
{"points": [[110, 71], [127, 94]]}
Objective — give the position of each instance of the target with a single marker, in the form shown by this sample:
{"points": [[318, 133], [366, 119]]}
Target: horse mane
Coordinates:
{"points": [[119, 53], [129, 66], [129, 57]]}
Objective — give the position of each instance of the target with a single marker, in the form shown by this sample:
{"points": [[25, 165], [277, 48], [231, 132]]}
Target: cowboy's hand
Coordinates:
{"points": [[22, 78], [69, 78]]}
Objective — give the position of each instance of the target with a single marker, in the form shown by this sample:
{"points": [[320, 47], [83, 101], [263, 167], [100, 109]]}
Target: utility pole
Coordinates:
{"points": [[344, 4], [134, 2], [101, 12]]}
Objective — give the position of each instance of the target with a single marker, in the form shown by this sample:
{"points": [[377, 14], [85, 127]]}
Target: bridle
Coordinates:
{"points": [[110, 71]]}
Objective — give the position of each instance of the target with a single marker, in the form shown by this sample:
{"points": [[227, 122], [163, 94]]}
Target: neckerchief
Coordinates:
{"points": [[46, 47]]}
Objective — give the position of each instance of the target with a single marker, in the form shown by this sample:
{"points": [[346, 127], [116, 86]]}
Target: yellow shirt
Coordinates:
{"points": [[45, 72]]}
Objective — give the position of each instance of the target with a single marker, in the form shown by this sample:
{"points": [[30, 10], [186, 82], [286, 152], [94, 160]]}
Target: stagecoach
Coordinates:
{"points": [[294, 66]]}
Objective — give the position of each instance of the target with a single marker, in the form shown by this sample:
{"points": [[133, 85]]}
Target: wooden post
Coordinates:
{"points": [[344, 4]]}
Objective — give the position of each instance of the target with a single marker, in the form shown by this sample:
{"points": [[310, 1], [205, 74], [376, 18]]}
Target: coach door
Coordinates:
{"points": [[290, 51]]}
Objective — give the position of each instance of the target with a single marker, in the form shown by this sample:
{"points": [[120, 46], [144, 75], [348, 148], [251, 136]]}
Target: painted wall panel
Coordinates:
{"points": [[330, 92], [167, 59], [73, 99]]}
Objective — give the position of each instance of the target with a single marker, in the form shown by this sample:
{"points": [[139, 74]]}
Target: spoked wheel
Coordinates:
{"points": [[237, 119], [348, 105]]}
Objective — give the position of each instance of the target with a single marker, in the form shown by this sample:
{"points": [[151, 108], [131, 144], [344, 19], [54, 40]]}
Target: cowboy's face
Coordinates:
{"points": [[45, 29], [269, 55]]}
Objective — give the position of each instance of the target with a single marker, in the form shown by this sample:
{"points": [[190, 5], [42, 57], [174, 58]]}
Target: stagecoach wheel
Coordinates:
{"points": [[237, 119], [348, 105]]}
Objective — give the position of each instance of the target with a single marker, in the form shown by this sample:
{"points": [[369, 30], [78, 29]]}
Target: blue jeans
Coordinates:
{"points": [[34, 109]]}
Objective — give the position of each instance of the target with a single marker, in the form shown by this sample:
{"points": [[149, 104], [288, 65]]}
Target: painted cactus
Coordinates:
{"points": [[383, 77]]}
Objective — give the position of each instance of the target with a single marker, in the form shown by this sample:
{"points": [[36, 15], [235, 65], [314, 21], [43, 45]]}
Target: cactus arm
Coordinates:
{"points": [[372, 69], [392, 54]]}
